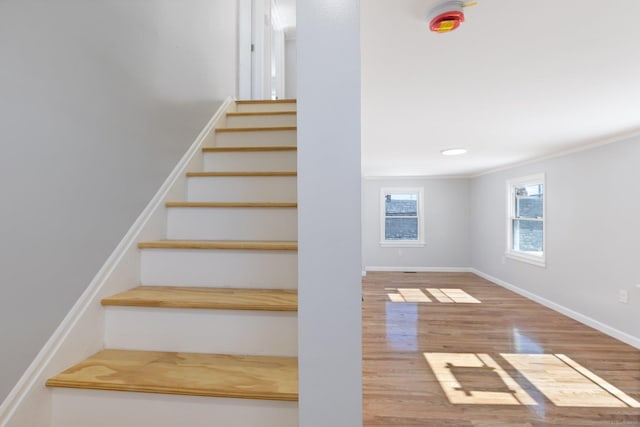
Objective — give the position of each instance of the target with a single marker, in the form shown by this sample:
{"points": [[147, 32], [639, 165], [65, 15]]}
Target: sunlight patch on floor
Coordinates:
{"points": [[475, 378], [567, 383], [442, 295], [469, 378], [413, 295]]}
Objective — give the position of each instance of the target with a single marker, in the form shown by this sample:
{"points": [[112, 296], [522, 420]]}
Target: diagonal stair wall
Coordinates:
{"points": [[183, 347], [76, 337]]}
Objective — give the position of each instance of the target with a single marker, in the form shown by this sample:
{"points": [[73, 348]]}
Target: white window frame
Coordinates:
{"points": [[420, 205], [539, 260]]}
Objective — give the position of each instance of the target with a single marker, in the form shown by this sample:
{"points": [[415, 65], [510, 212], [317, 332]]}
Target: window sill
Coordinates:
{"points": [[401, 244], [529, 259]]}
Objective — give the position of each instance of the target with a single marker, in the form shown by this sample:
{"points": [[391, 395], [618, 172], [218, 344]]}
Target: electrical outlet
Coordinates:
{"points": [[623, 296]]}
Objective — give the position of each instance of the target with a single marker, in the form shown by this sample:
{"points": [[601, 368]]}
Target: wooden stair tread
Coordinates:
{"points": [[231, 205], [260, 113], [240, 174], [267, 101], [206, 298], [249, 149], [257, 129], [195, 374], [220, 244]]}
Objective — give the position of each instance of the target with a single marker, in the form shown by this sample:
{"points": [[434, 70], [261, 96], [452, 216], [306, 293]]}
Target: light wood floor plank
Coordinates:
{"points": [[206, 298], [247, 377]]}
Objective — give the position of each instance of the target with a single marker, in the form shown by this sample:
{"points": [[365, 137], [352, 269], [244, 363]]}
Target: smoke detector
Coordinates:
{"points": [[447, 16]]}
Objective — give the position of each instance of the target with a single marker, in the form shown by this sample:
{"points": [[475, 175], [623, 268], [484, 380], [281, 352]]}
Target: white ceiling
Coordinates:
{"points": [[519, 80]]}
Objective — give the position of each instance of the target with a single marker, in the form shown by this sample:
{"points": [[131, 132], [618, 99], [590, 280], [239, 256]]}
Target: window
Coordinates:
{"points": [[525, 219], [401, 219]]}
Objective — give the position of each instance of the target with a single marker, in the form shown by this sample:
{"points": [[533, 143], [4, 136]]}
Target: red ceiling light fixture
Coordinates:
{"points": [[448, 16]]}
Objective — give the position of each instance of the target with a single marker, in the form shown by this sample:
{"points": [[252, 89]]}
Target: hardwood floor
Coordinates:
{"points": [[501, 361]]}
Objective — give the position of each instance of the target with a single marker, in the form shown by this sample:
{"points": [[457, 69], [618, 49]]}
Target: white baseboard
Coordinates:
{"points": [[606, 329], [420, 269], [80, 333]]}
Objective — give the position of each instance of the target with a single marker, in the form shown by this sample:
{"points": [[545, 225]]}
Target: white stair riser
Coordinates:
{"points": [[96, 408], [242, 189], [259, 333], [256, 138], [220, 268], [257, 161], [232, 224], [281, 106], [261, 121]]}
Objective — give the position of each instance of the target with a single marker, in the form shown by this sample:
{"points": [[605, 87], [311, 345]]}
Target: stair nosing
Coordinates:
{"points": [[241, 174], [260, 113], [220, 245], [172, 391], [247, 299], [266, 101], [249, 149], [257, 129], [270, 205]]}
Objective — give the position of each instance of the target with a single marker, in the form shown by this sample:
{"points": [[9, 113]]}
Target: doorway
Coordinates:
{"points": [[261, 50]]}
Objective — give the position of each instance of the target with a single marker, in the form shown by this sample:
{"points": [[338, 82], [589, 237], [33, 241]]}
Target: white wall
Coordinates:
{"points": [[329, 237], [99, 101], [290, 67], [592, 248], [446, 221]]}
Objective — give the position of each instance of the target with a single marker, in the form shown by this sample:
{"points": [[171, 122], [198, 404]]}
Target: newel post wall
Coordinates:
{"points": [[328, 37]]}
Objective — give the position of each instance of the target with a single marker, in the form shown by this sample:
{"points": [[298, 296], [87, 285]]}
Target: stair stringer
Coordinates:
{"points": [[81, 333]]}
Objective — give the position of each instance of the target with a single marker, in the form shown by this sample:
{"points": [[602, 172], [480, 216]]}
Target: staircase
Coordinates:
{"points": [[209, 337]]}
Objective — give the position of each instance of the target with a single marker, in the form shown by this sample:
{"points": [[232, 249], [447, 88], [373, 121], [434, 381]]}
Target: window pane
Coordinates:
{"points": [[401, 229], [529, 201], [527, 236], [401, 205]]}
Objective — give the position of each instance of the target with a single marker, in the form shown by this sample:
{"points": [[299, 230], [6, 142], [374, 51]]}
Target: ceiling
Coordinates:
{"points": [[518, 80]]}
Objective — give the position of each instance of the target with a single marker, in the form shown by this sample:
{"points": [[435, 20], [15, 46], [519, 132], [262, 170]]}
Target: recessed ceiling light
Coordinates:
{"points": [[453, 152]]}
